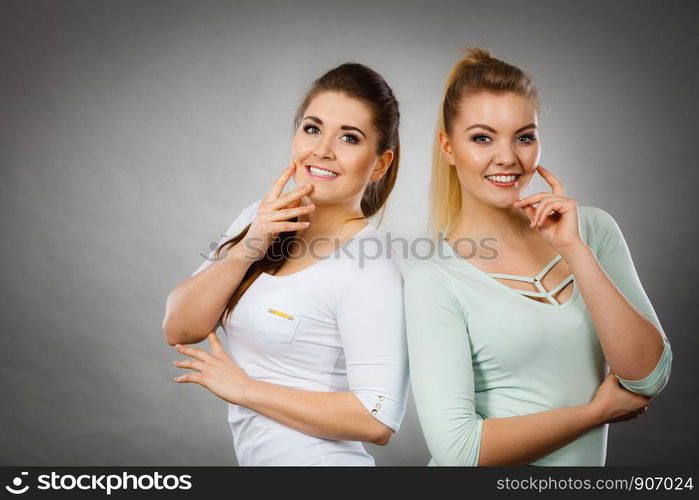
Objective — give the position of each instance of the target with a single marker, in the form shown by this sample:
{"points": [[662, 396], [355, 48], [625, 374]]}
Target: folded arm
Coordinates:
{"points": [[443, 387], [632, 339]]}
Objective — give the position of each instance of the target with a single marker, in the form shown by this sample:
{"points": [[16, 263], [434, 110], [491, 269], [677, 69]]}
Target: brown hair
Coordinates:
{"points": [[479, 71], [363, 83]]}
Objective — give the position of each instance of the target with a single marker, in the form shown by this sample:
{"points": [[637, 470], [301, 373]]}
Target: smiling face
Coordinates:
{"points": [[335, 149], [493, 138]]}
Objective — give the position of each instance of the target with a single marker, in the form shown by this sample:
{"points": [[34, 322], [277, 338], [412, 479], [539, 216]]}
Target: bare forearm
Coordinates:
{"points": [[329, 415], [632, 345], [194, 306], [524, 439]]}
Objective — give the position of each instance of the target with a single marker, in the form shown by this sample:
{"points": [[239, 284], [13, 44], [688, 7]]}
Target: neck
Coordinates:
{"points": [[478, 220], [330, 219]]}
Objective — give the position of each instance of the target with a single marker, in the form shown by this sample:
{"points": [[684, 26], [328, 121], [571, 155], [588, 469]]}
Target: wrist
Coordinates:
{"points": [[246, 251], [575, 251], [593, 414], [247, 391]]}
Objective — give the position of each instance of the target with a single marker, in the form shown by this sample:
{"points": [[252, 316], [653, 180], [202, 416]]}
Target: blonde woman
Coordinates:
{"points": [[318, 361], [510, 338]]}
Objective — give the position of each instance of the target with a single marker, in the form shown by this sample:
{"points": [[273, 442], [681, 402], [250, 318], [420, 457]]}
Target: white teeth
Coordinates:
{"points": [[324, 173], [501, 178]]}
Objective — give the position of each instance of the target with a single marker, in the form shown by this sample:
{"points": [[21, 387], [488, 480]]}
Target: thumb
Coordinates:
{"points": [[295, 203], [216, 346]]}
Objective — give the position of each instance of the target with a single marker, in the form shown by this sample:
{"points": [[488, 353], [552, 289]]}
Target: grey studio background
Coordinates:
{"points": [[133, 132]]}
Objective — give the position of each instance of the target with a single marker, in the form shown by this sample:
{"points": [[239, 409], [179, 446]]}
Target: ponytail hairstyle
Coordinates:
{"points": [[479, 71], [360, 82]]}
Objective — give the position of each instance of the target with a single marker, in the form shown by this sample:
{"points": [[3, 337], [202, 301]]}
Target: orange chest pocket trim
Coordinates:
{"points": [[279, 313]]}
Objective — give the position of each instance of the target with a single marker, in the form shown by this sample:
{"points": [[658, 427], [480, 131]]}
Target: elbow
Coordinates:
{"points": [[458, 445], [174, 336], [654, 382], [649, 390], [383, 436], [451, 458], [171, 336], [377, 417], [172, 327]]}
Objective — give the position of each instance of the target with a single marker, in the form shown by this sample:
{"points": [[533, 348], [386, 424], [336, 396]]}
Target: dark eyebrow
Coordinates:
{"points": [[481, 125], [343, 127]]}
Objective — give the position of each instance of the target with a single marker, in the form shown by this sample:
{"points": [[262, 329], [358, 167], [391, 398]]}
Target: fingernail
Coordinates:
{"points": [[177, 378], [306, 223]]}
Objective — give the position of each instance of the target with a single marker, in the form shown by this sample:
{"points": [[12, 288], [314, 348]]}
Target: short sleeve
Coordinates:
{"points": [[371, 322], [246, 216], [441, 367], [615, 258]]}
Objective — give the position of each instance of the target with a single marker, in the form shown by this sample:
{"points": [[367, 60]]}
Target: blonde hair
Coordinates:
{"points": [[479, 71]]}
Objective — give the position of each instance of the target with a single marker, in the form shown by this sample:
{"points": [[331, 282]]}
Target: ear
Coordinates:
{"points": [[382, 165], [445, 146]]}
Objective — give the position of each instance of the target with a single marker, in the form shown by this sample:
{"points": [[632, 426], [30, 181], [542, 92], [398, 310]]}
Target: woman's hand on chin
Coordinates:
{"points": [[274, 214], [555, 217]]}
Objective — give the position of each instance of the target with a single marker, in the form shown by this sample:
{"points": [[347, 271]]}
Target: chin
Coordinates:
{"points": [[319, 197], [505, 202]]}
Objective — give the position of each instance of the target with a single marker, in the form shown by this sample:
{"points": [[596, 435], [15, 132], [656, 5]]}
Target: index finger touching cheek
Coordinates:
{"points": [[552, 181], [281, 181]]}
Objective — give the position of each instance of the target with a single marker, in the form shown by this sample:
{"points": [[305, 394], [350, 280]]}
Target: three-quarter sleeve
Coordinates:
{"points": [[371, 322], [441, 368], [246, 216], [614, 257]]}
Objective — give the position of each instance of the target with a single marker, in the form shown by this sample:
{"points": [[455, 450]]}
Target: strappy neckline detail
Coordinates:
{"points": [[536, 281]]}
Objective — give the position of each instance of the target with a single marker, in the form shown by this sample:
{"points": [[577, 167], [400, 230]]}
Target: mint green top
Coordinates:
{"points": [[480, 349]]}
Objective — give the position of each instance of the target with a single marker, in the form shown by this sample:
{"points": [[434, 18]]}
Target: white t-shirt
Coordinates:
{"points": [[337, 325]]}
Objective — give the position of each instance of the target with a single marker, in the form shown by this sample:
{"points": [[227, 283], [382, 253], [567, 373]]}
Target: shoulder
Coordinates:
{"points": [[243, 218], [598, 227], [437, 268], [367, 260], [427, 280], [424, 271], [432, 297], [248, 213], [595, 215]]}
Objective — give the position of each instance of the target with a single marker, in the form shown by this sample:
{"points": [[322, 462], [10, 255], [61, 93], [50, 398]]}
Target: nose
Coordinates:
{"points": [[505, 155], [324, 148]]}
